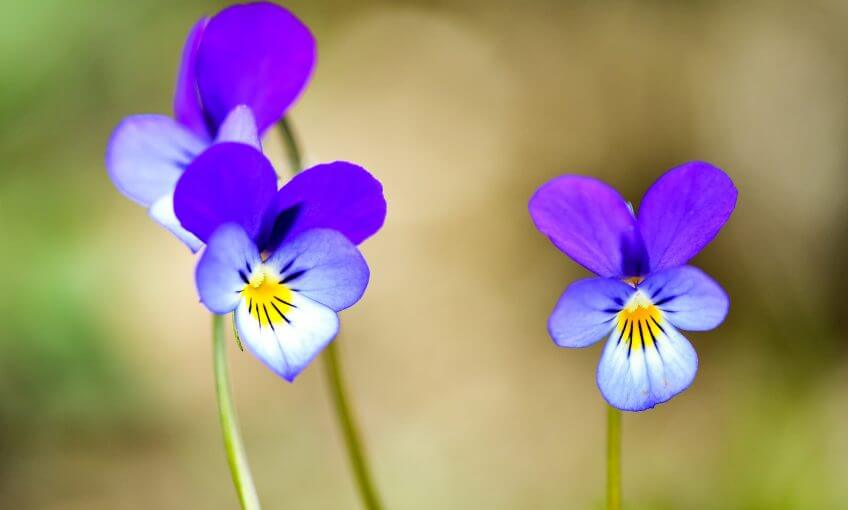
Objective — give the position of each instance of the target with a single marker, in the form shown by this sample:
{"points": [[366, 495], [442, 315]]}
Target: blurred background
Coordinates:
{"points": [[462, 109]]}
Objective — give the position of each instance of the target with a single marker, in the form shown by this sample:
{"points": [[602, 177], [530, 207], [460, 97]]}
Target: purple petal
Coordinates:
{"points": [[339, 196], [324, 266], [590, 222], [230, 182], [162, 212], [147, 154], [683, 211], [586, 311], [257, 54], [229, 255], [187, 108], [240, 126], [639, 373], [688, 298]]}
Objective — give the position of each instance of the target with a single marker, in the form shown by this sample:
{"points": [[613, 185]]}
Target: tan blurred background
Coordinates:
{"points": [[462, 109]]}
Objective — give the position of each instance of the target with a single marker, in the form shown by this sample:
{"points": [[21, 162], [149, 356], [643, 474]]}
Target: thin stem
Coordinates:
{"points": [[292, 148], [335, 379], [356, 455], [613, 458], [236, 456]]}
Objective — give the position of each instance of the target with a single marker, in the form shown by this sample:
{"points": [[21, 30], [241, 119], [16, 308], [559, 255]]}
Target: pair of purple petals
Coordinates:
{"points": [[240, 72], [285, 261], [644, 292]]}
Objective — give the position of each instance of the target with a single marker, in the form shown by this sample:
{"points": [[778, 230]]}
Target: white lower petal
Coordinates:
{"points": [[287, 345], [162, 212], [638, 375]]}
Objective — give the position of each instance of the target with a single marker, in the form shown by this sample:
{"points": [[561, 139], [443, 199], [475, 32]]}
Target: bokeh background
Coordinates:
{"points": [[462, 109]]}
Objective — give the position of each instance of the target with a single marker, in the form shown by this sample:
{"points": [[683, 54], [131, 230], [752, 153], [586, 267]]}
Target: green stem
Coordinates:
{"points": [[613, 458], [236, 456], [292, 148], [335, 379], [355, 453]]}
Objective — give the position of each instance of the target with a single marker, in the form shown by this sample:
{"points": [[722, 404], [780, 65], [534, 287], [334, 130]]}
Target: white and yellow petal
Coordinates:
{"points": [[646, 361]]}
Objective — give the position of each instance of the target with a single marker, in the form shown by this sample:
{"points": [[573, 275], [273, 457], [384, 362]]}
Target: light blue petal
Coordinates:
{"points": [[288, 347], [689, 298], [586, 311], [323, 265], [147, 154], [240, 126], [162, 212], [223, 268], [639, 378]]}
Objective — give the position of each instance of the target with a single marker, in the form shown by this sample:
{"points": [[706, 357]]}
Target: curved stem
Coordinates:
{"points": [[613, 458], [356, 455], [236, 456], [292, 148], [335, 379]]}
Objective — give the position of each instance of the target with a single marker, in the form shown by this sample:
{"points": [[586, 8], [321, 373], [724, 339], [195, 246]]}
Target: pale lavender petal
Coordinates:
{"points": [[162, 212], [147, 154], [222, 269], [256, 54], [240, 126], [683, 211], [590, 222], [324, 266], [187, 108], [688, 298], [586, 311]]}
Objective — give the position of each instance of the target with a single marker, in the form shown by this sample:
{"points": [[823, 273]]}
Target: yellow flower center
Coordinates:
{"points": [[639, 322], [268, 298]]}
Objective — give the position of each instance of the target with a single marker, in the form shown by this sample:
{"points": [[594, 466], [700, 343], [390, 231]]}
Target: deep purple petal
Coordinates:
{"points": [[147, 154], [219, 275], [187, 108], [586, 311], [324, 266], [230, 182], [688, 298], [683, 211], [257, 54], [589, 221], [240, 126], [339, 196]]}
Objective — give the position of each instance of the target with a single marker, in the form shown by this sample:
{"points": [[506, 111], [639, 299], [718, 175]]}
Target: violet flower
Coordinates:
{"points": [[644, 293], [240, 72], [285, 261]]}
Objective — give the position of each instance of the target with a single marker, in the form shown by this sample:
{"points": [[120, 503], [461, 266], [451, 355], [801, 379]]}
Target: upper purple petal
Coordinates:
{"points": [[688, 298], [590, 222], [187, 108], [585, 312], [229, 182], [147, 154], [257, 54], [683, 211], [339, 196]]}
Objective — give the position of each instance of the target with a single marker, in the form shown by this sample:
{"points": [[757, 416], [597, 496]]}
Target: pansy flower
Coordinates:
{"points": [[240, 72], [284, 261], [644, 293]]}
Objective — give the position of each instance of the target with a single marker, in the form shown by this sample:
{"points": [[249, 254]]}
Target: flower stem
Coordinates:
{"points": [[236, 456], [613, 458], [335, 379], [356, 455]]}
